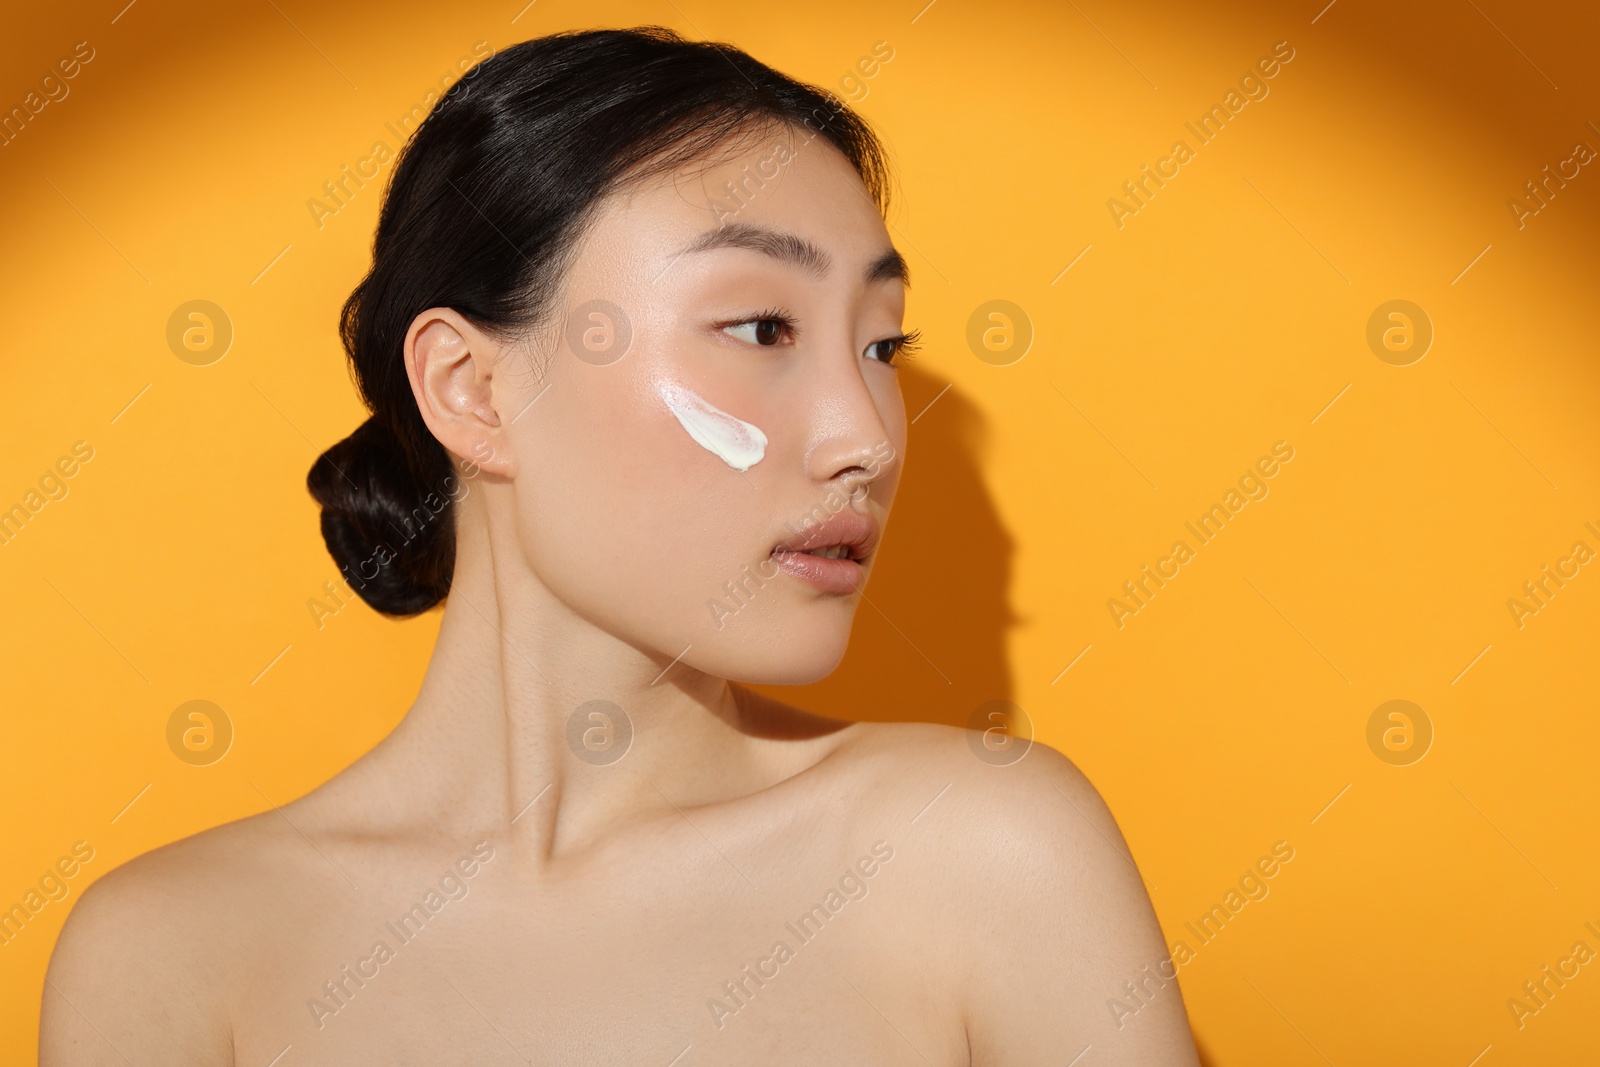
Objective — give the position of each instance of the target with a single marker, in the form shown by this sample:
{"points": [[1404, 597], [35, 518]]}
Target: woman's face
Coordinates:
{"points": [[724, 393]]}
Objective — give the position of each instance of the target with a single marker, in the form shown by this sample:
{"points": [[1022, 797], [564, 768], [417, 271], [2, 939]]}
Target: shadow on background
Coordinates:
{"points": [[929, 643]]}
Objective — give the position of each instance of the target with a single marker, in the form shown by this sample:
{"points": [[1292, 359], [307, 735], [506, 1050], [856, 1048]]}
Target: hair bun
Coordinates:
{"points": [[393, 539]]}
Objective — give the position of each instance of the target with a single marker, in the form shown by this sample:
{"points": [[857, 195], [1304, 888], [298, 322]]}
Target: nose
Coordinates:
{"points": [[851, 444]]}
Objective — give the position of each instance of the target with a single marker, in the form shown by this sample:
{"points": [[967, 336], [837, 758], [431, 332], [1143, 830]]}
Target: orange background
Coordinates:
{"points": [[1223, 317]]}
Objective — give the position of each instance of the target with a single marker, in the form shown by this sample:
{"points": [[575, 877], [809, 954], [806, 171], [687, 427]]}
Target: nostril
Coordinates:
{"points": [[855, 486]]}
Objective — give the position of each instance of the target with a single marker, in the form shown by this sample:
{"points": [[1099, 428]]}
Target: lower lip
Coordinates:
{"points": [[837, 576]]}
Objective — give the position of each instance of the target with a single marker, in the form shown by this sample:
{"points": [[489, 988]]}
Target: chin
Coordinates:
{"points": [[806, 647]]}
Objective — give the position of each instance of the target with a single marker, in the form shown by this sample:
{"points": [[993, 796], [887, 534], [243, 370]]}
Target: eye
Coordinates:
{"points": [[894, 350], [766, 329]]}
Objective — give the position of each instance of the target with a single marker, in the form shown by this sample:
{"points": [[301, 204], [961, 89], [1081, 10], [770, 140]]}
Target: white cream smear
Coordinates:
{"points": [[737, 443]]}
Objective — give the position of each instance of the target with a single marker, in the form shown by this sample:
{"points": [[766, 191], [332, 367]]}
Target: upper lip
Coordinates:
{"points": [[852, 529]]}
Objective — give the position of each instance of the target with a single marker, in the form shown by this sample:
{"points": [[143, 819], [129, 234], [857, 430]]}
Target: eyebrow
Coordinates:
{"points": [[795, 250]]}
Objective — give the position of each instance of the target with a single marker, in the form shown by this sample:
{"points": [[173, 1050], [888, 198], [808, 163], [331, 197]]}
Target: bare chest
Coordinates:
{"points": [[713, 961]]}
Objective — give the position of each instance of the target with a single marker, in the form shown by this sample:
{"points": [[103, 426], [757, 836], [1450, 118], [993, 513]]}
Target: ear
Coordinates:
{"points": [[451, 365]]}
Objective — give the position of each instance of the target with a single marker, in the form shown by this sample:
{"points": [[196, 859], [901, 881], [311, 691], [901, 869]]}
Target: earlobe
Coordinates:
{"points": [[451, 366]]}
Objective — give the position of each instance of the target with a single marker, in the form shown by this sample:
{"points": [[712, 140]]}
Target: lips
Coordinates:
{"points": [[829, 554]]}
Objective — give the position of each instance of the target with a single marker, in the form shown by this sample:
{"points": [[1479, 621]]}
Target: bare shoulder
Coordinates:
{"points": [[995, 779], [985, 805], [147, 963], [1038, 901], [157, 952]]}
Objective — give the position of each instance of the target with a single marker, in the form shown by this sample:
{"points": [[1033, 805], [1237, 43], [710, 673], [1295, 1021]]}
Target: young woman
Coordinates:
{"points": [[630, 340]]}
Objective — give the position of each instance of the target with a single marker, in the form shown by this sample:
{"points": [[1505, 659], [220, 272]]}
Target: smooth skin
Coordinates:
{"points": [[965, 912]]}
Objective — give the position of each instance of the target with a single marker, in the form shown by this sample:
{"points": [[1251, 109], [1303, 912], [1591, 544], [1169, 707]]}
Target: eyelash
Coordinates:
{"points": [[905, 344], [906, 347], [785, 320]]}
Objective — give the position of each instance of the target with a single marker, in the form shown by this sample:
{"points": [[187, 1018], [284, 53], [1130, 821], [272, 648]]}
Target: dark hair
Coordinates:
{"points": [[485, 205]]}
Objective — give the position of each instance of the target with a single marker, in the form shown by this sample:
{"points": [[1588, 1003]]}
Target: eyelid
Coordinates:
{"points": [[790, 325], [907, 343]]}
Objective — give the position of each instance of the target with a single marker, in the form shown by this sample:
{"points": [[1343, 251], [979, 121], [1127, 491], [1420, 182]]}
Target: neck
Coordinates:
{"points": [[490, 746]]}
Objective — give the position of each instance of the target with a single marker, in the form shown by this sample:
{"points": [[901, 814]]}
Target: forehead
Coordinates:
{"points": [[778, 178]]}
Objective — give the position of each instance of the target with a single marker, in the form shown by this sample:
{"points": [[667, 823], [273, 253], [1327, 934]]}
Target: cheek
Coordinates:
{"points": [[642, 530], [622, 514]]}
